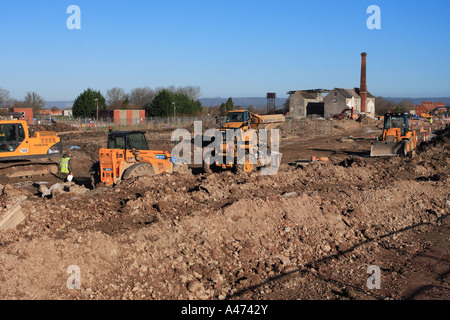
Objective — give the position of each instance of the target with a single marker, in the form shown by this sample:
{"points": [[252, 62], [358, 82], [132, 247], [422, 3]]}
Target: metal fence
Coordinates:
{"points": [[308, 127], [135, 124]]}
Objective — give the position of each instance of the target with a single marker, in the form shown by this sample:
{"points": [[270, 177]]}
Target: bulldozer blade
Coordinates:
{"points": [[387, 149]]}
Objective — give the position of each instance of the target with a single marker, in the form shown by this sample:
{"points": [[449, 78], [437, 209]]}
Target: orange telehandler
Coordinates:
{"points": [[127, 156]]}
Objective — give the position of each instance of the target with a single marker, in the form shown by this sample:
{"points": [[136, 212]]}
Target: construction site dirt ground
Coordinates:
{"points": [[351, 228]]}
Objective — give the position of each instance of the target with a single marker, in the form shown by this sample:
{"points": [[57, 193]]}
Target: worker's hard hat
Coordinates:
{"points": [[69, 177]]}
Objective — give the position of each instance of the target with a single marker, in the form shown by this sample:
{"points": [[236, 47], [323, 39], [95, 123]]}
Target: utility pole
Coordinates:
{"points": [[96, 119], [174, 108]]}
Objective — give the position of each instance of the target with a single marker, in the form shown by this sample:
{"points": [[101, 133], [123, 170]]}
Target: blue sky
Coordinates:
{"points": [[229, 48]]}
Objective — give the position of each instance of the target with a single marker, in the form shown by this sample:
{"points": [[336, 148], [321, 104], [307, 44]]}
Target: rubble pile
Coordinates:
{"points": [[224, 235]]}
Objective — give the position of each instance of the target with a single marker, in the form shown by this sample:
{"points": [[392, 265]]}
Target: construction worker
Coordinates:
{"points": [[65, 166], [431, 122]]}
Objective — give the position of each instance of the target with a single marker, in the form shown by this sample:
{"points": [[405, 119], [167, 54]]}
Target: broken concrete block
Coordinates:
{"points": [[13, 216], [289, 194], [59, 188]]}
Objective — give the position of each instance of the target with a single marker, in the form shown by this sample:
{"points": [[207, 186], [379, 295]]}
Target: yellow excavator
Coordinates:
{"points": [[397, 138], [247, 125], [24, 153]]}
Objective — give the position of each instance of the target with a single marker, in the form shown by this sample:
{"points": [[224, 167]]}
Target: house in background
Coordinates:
{"points": [[307, 102], [23, 113], [303, 103], [339, 99], [428, 107], [49, 112], [122, 117], [67, 112]]}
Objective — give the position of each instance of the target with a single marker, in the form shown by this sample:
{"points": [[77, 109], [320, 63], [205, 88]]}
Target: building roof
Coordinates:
{"points": [[369, 95], [310, 91], [429, 106], [347, 93], [305, 94]]}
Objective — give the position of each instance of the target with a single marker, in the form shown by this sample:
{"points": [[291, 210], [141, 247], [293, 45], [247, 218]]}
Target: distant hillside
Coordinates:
{"points": [[59, 104]]}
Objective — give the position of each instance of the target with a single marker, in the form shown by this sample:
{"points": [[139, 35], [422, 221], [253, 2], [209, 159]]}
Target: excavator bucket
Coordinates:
{"points": [[387, 149]]}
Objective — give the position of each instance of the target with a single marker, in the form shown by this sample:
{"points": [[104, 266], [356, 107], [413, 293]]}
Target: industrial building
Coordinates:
{"points": [[123, 117], [339, 99], [303, 103], [22, 113]]}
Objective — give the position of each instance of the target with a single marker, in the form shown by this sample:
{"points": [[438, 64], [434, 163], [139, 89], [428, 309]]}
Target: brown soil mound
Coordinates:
{"points": [[308, 232]]}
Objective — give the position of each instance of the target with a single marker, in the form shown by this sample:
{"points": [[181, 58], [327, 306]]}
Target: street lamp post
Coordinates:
{"points": [[174, 108], [96, 120]]}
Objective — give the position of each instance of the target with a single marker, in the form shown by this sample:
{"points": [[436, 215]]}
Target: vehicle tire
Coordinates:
{"points": [[95, 180], [406, 148], [95, 174], [207, 167], [248, 166], [139, 170]]}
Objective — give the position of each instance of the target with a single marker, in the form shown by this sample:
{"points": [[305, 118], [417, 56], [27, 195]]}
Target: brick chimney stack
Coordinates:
{"points": [[363, 85]]}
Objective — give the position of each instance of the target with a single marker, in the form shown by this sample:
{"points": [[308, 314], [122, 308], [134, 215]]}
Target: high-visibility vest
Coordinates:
{"points": [[65, 165]]}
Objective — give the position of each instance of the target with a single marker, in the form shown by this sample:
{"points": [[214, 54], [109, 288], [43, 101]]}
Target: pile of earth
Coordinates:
{"points": [[55, 126], [222, 235]]}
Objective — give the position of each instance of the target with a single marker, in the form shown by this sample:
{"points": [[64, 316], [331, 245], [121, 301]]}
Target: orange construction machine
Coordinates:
{"points": [[24, 153], [397, 138], [127, 156], [247, 125]]}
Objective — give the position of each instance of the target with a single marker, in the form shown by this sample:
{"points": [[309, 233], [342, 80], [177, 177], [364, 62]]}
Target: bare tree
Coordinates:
{"points": [[116, 97], [4, 98], [141, 96], [33, 100], [192, 92]]}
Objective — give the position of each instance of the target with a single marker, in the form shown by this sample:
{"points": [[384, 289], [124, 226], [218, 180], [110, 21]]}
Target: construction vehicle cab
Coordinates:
{"points": [[397, 138], [395, 125], [126, 156], [16, 142], [238, 116], [11, 136]]}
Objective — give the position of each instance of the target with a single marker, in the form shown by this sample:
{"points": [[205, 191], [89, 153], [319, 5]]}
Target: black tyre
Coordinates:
{"points": [[207, 167], [248, 166], [138, 170]]}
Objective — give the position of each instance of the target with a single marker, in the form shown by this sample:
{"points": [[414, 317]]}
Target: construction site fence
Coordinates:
{"points": [[310, 126], [133, 124]]}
